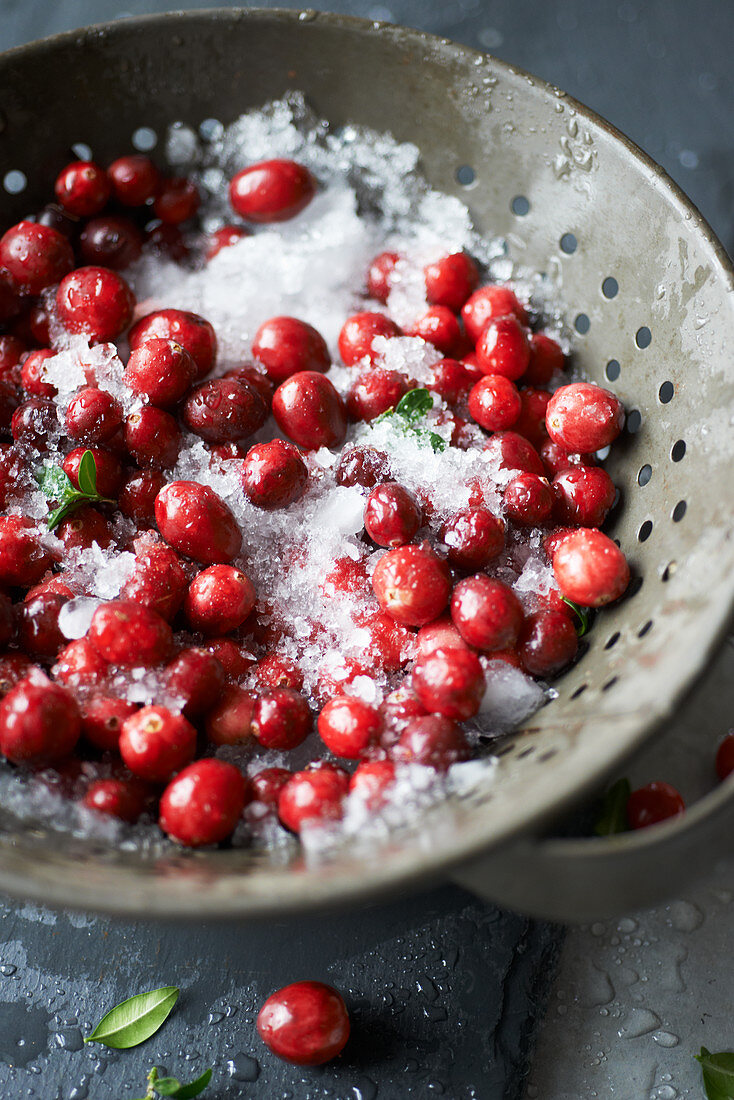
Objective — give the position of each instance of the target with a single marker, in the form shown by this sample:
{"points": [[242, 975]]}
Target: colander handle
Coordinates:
{"points": [[574, 880]]}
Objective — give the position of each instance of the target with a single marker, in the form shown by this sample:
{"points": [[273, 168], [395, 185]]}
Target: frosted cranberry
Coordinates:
{"points": [[584, 495], [308, 409], [219, 599], [224, 238], [375, 391], [160, 370], [306, 1023], [583, 417], [488, 303], [282, 719], [473, 536], [255, 378], [486, 612], [12, 350], [557, 459], [285, 346], [503, 348], [548, 642], [197, 679], [274, 474], [34, 423], [35, 256], [494, 403], [434, 741], [152, 437], [348, 726], [224, 410], [93, 415], [95, 302], [531, 421], [552, 541], [109, 471], [546, 359], [193, 519], [440, 328], [653, 803], [314, 795], [590, 569], [390, 644], [398, 708], [725, 757], [529, 500], [168, 241], [124, 799], [268, 783], [155, 743], [80, 663], [203, 804], [346, 575], [134, 179], [271, 191], [451, 380], [14, 667], [233, 659], [229, 722], [412, 584], [189, 330], [438, 635], [83, 528], [513, 452], [82, 188], [177, 200], [450, 280], [102, 720], [39, 325], [137, 496], [371, 781], [392, 515], [358, 333], [32, 374], [125, 633], [379, 275], [39, 722], [111, 242], [449, 682], [276, 671], [158, 580], [23, 560], [7, 620], [363, 466]]}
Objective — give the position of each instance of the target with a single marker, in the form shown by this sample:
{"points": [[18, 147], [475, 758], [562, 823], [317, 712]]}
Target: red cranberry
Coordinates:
{"points": [[256, 379], [35, 326], [14, 667], [398, 708], [494, 403], [268, 783], [282, 719], [229, 722], [177, 200], [557, 459], [653, 803], [193, 519], [358, 333], [450, 280], [390, 644], [346, 575], [503, 348], [274, 475], [546, 359], [160, 370], [531, 421], [203, 804], [348, 726], [95, 302], [590, 569], [10, 303], [552, 541], [306, 1023], [12, 350], [314, 795], [53, 216], [34, 423], [137, 496], [451, 380], [109, 471], [9, 470], [434, 741], [125, 633], [7, 621], [449, 682], [219, 600], [79, 663], [584, 417], [529, 500], [412, 584], [488, 303], [23, 560], [379, 276], [155, 743], [158, 580], [285, 346], [86, 526], [93, 415], [189, 330], [276, 671], [271, 191], [438, 635], [197, 678], [82, 188], [234, 660], [111, 242], [392, 515], [125, 799], [102, 720], [152, 437], [473, 536], [39, 722], [486, 612], [363, 466], [513, 452], [134, 178], [548, 643], [32, 374], [584, 495], [307, 408], [371, 780], [224, 238], [224, 410], [375, 391], [440, 328], [168, 241], [725, 757], [35, 256]]}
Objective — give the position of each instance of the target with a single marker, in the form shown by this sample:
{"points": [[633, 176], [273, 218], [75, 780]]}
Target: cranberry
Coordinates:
{"points": [[412, 584], [306, 1023], [371, 781], [451, 380], [392, 515], [85, 527], [285, 346], [9, 301], [557, 459], [548, 643], [102, 720], [111, 242], [203, 804], [34, 423], [79, 663], [256, 379], [450, 280], [363, 466], [23, 560], [35, 256], [282, 719], [531, 421], [229, 722], [9, 470], [513, 452], [95, 302], [449, 682], [224, 238], [93, 415], [160, 370], [307, 408], [53, 216], [529, 500], [158, 580], [224, 410], [390, 644], [494, 403], [7, 621], [440, 634], [155, 743], [440, 328], [82, 189], [584, 417], [268, 783], [134, 178], [197, 679], [274, 475], [488, 303], [14, 667], [125, 633], [152, 437], [348, 726], [137, 496], [434, 741], [12, 350], [271, 191], [234, 660], [473, 537], [177, 200], [552, 541], [32, 374], [39, 722], [314, 795], [109, 471], [590, 569], [400, 707], [486, 612], [503, 348], [584, 495], [380, 274], [546, 359], [277, 671], [35, 326], [168, 241], [219, 600], [653, 803], [725, 757], [358, 333], [189, 330], [375, 391], [346, 575], [193, 519], [124, 799]]}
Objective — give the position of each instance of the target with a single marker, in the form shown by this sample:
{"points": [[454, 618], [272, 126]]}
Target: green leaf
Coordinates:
{"points": [[718, 1074], [436, 442], [135, 1020], [613, 814], [53, 482], [583, 614], [414, 404], [183, 1092], [73, 502], [87, 476]]}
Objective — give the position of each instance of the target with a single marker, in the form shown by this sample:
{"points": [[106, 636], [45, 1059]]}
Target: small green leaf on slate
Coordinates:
{"points": [[718, 1074], [583, 614], [414, 404], [87, 475], [186, 1092], [135, 1020], [53, 482], [613, 814]]}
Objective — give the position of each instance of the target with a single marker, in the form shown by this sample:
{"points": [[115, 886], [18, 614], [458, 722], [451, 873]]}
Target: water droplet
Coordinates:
{"points": [[666, 1092], [69, 1038], [666, 1038], [627, 925], [597, 929], [434, 1013], [685, 916], [307, 16], [365, 1089], [7, 970], [215, 1017], [637, 1022], [243, 1068]]}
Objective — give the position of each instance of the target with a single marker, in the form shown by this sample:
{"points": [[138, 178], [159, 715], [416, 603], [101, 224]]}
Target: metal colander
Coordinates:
{"points": [[649, 292]]}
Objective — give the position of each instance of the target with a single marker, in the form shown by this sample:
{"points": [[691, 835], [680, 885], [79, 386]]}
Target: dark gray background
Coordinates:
{"points": [[445, 991]]}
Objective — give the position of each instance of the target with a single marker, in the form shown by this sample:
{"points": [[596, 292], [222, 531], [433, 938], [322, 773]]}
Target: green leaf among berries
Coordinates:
{"points": [[58, 488]]}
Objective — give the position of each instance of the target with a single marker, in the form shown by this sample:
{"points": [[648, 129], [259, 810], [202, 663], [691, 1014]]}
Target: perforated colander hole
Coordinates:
{"points": [[465, 175], [612, 370], [634, 421], [679, 511], [526, 752], [633, 587], [645, 629], [568, 244], [520, 206], [666, 392], [210, 129], [669, 571], [144, 139], [82, 150], [503, 750], [547, 755], [678, 450], [612, 641], [582, 324], [579, 691], [644, 475], [643, 337], [610, 683], [645, 531], [610, 287], [14, 181]]}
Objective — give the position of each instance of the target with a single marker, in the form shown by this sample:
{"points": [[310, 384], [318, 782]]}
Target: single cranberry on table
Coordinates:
{"points": [[229, 722], [177, 200], [111, 241], [203, 804], [725, 757], [191, 331], [95, 302], [450, 280], [432, 740], [306, 1023], [514, 452], [134, 179], [413, 584], [161, 370], [348, 726], [107, 466], [224, 238], [503, 348], [474, 537], [486, 612], [268, 783], [155, 743], [547, 643], [158, 580], [125, 799], [39, 722], [495, 403], [488, 303], [219, 599], [93, 415], [583, 417], [309, 410], [285, 346], [314, 795], [546, 359], [358, 334], [653, 803], [86, 526], [274, 474], [79, 664], [590, 569], [529, 500], [152, 437], [374, 392], [380, 275], [102, 720], [32, 373], [282, 719], [196, 522], [23, 558], [196, 678], [125, 633], [363, 466], [35, 256], [371, 782], [34, 424], [439, 327], [583, 495], [449, 682], [392, 515], [271, 191]]}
